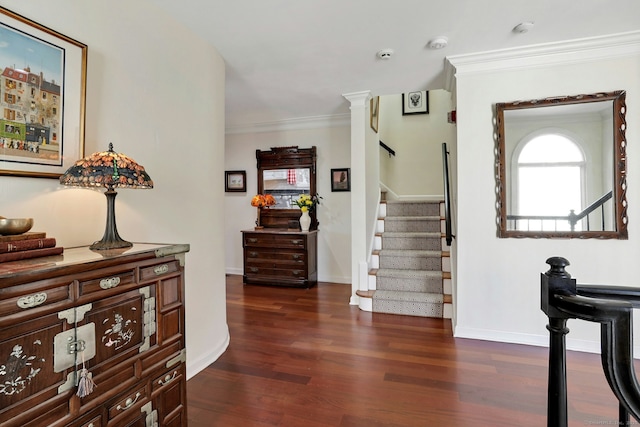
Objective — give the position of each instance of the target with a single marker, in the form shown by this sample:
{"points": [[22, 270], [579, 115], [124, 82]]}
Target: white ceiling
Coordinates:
{"points": [[293, 59]]}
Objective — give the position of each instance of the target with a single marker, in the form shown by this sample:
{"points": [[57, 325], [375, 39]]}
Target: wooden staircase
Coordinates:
{"points": [[410, 271]]}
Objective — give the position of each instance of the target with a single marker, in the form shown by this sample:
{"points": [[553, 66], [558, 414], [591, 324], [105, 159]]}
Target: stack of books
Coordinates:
{"points": [[28, 245]]}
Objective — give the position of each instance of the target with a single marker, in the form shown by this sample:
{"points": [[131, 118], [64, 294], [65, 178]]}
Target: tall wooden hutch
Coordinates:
{"points": [[278, 252]]}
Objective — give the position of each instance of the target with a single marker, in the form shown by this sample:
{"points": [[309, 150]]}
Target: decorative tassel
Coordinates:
{"points": [[86, 383]]}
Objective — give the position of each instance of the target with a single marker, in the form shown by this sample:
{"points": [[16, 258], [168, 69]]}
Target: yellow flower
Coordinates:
{"points": [[306, 202]]}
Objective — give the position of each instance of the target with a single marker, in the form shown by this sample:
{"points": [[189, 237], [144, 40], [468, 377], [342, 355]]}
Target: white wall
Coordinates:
{"points": [[416, 169], [498, 280], [334, 238], [140, 83]]}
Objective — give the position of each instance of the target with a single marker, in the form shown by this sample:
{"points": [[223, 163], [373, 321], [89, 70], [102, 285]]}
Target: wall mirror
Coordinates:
{"points": [[561, 167], [286, 185], [286, 173]]}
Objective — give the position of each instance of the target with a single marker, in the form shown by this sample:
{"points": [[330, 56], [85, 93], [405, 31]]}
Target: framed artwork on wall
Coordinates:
{"points": [[340, 179], [235, 181], [43, 76], [374, 112], [415, 103]]}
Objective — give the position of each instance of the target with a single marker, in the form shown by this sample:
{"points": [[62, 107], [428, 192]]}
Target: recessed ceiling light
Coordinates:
{"points": [[439, 42], [385, 53], [523, 27]]}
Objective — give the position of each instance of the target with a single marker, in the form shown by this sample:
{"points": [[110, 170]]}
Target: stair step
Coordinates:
{"points": [[408, 303], [411, 259], [410, 240], [409, 280], [412, 224], [413, 208]]}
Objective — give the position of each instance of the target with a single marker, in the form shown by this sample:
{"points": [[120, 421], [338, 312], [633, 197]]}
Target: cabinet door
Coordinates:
{"points": [[124, 327], [169, 392], [31, 388]]}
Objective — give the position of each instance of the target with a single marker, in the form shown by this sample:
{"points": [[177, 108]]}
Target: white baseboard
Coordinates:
{"points": [[583, 346], [421, 197], [344, 280], [393, 196], [195, 366]]}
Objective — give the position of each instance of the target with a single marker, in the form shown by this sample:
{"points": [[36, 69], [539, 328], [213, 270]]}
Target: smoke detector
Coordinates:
{"points": [[385, 53], [439, 42], [523, 27]]}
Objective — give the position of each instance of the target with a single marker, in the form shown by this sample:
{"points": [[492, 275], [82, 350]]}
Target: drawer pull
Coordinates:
{"points": [[296, 242], [129, 403], [168, 378], [297, 257], [253, 269], [160, 269], [109, 283], [31, 301], [90, 425], [297, 272], [253, 254], [252, 240]]}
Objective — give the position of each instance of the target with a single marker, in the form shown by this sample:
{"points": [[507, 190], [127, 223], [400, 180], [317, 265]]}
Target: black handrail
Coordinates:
{"points": [[447, 197], [386, 147], [562, 299], [572, 218]]}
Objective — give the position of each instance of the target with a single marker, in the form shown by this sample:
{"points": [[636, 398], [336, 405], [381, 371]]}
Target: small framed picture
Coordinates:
{"points": [[235, 181], [415, 103], [374, 113], [340, 180]]}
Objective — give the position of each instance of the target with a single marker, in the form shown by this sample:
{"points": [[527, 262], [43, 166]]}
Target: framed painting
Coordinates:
{"points": [[374, 112], [340, 179], [235, 181], [42, 98], [415, 103]]}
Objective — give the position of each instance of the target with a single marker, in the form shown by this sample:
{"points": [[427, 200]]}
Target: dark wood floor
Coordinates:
{"points": [[304, 357]]}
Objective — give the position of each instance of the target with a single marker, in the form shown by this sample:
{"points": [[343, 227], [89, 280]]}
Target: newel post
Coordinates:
{"points": [[556, 281]]}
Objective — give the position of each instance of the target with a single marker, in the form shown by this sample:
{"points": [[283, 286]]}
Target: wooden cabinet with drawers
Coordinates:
{"points": [[280, 257], [119, 314]]}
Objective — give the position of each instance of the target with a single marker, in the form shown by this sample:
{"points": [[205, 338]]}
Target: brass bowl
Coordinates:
{"points": [[9, 226]]}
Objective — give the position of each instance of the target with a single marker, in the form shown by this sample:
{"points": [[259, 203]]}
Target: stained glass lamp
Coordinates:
{"points": [[110, 170]]}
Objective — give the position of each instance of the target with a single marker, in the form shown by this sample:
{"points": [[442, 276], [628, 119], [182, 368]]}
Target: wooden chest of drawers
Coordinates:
{"points": [[280, 257], [122, 314]]}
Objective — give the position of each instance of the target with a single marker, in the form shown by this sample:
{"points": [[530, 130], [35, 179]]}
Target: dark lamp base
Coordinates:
{"points": [[111, 238], [103, 245]]}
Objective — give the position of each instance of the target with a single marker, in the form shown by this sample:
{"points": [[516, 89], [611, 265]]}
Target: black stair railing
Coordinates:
{"points": [[573, 218], [447, 195], [611, 306], [389, 149]]}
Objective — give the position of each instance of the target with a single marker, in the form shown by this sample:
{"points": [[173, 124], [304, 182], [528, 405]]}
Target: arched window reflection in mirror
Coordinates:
{"points": [[561, 167], [542, 161]]}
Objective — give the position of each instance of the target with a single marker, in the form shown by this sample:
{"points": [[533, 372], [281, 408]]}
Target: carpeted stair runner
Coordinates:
{"points": [[409, 279]]}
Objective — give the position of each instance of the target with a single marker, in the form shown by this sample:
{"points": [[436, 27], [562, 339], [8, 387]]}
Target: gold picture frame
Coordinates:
{"points": [[43, 75], [374, 112]]}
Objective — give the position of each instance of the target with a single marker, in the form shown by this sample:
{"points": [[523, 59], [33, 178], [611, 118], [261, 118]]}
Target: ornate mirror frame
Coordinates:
{"points": [[286, 158], [619, 166]]}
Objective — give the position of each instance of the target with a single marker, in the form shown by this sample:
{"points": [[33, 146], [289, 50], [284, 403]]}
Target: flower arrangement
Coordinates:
{"points": [[307, 202], [263, 200]]}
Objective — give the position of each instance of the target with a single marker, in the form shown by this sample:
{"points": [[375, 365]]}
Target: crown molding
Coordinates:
{"points": [[314, 122], [541, 55]]}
